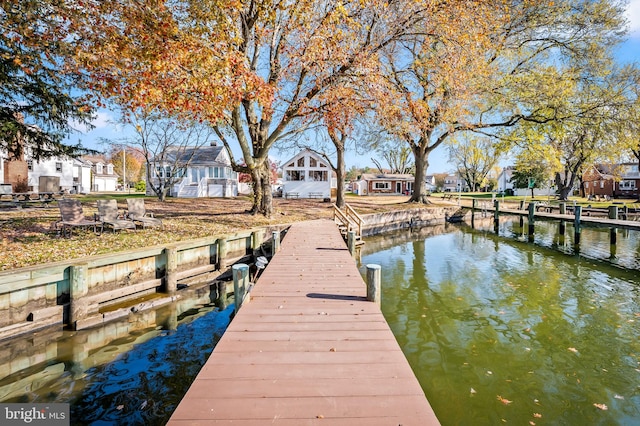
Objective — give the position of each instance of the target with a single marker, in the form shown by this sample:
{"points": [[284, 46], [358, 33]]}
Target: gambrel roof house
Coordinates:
{"points": [[205, 172]]}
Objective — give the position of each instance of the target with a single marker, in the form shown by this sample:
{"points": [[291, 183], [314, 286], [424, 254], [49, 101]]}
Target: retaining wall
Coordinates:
{"points": [[86, 292]]}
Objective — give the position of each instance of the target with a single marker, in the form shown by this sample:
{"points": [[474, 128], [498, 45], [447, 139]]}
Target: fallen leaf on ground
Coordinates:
{"points": [[505, 401], [601, 406]]}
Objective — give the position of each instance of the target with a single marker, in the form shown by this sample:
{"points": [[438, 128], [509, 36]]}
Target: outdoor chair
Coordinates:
{"points": [[72, 216], [108, 215], [138, 213]]}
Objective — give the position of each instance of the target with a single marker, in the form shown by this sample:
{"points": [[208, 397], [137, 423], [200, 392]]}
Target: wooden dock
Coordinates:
{"points": [[308, 349]]}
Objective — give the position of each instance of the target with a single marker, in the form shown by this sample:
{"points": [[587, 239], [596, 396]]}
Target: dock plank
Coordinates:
{"points": [[307, 349]]}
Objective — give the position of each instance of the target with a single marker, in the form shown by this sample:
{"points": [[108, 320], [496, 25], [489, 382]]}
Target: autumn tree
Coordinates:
{"points": [[38, 105], [474, 157], [128, 163], [482, 69], [590, 123], [397, 156], [255, 71], [168, 144]]}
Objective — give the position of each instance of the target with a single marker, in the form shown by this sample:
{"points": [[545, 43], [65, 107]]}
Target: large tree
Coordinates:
{"points": [[479, 67], [474, 157], [38, 105], [255, 70]]}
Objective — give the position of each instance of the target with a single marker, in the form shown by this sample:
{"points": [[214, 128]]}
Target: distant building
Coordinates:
{"points": [[385, 184], [612, 180], [103, 176], [205, 171]]}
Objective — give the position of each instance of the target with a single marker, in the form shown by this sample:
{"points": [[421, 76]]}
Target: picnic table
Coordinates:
{"points": [[292, 195], [316, 195], [20, 199]]}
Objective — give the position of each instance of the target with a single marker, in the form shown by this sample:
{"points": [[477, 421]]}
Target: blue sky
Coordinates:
{"points": [[628, 52]]}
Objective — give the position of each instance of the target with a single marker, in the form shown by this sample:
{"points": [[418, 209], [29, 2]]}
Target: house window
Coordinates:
{"points": [[291, 165], [301, 162], [58, 167], [160, 172], [627, 185], [110, 169], [381, 185], [601, 184], [99, 168], [313, 162], [586, 184], [318, 175], [167, 171], [30, 165], [210, 172], [293, 175], [323, 165]]}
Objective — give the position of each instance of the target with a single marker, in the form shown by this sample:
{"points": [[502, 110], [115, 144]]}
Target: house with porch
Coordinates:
{"points": [[612, 180], [204, 171], [385, 184], [307, 175]]}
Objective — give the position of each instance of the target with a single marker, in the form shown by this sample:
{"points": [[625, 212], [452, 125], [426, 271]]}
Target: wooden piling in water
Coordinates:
{"points": [[275, 242], [613, 214], [171, 272], [373, 283], [240, 283], [576, 224], [563, 210], [351, 242], [531, 218]]}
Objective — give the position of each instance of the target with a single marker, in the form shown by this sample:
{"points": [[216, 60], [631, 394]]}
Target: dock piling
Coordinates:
{"points": [[613, 214], [373, 283], [275, 244], [240, 283], [351, 242], [576, 224]]}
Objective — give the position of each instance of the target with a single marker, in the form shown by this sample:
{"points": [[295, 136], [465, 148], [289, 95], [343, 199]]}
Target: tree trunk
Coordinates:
{"points": [[262, 196], [340, 173], [419, 184]]}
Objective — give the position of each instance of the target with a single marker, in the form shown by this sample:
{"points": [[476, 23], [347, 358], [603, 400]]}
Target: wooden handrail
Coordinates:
{"points": [[340, 218], [352, 214]]}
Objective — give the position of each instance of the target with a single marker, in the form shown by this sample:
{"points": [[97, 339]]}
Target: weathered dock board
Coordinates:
{"points": [[308, 349]]}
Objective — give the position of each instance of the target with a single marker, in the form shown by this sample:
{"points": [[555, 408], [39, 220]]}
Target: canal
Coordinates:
{"points": [[132, 372], [500, 330]]}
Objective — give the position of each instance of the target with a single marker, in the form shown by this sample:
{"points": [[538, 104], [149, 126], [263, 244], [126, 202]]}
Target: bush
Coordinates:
{"points": [[141, 186]]}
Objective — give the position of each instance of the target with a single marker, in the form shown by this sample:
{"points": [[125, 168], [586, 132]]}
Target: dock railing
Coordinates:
{"points": [[348, 220]]}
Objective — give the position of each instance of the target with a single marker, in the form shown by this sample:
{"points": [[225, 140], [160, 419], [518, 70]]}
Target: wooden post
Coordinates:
{"points": [[496, 212], [221, 289], [613, 214], [563, 210], [576, 224], [171, 271], [521, 217], [351, 242], [474, 202], [222, 254], [78, 289], [275, 243], [255, 240], [240, 283], [532, 219], [373, 283]]}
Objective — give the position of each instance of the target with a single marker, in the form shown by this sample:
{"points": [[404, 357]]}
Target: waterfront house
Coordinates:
{"points": [[306, 175], [385, 184], [612, 180], [205, 171]]}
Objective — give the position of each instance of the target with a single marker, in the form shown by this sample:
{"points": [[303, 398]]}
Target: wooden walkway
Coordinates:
{"points": [[589, 221], [308, 349]]}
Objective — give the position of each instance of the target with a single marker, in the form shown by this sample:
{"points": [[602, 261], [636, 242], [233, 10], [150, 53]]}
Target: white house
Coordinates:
{"points": [[504, 180], [205, 172], [307, 175], [104, 177]]}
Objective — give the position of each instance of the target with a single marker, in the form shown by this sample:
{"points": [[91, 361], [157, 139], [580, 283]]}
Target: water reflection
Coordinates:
{"points": [[128, 372], [500, 330]]}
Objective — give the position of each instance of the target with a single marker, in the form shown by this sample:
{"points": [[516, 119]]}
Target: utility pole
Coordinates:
{"points": [[124, 169]]}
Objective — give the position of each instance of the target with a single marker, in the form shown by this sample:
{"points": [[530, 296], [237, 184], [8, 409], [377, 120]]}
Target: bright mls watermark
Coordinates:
{"points": [[34, 414]]}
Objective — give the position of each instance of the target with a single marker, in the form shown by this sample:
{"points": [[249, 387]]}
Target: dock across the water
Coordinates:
{"points": [[308, 349]]}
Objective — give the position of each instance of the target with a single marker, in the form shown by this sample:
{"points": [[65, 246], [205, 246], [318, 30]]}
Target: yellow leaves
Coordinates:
{"points": [[602, 407], [574, 350], [504, 401]]}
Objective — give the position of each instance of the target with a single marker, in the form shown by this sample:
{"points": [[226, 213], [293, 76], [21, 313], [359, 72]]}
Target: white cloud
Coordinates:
{"points": [[103, 120], [633, 15]]}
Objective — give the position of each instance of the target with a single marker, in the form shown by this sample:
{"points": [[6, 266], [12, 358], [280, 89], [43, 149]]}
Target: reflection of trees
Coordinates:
{"points": [[500, 316]]}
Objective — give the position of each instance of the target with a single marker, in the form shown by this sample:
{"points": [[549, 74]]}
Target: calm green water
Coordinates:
{"points": [[503, 331]]}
